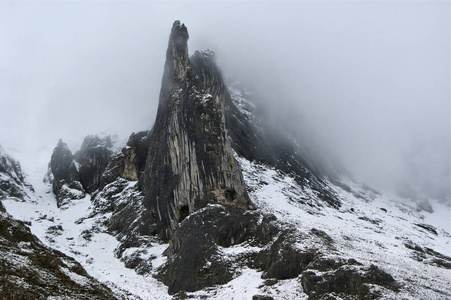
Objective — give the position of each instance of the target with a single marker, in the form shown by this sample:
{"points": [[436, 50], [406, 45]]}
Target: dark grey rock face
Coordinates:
{"points": [[12, 181], [428, 255], [190, 161], [198, 256], [130, 163], [195, 259], [344, 279], [31, 270], [64, 175], [94, 156], [72, 176]]}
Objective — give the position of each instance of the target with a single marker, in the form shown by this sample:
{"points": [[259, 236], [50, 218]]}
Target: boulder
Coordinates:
{"points": [[328, 278]]}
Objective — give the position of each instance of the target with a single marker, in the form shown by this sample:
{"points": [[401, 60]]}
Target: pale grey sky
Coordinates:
{"points": [[370, 81]]}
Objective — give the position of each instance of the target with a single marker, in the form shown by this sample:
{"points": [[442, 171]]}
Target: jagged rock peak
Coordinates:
{"points": [[177, 54], [93, 157], [12, 180], [64, 176], [190, 162]]}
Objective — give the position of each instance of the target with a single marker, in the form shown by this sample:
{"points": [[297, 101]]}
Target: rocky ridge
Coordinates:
{"points": [[12, 180], [31, 270], [191, 191], [202, 181]]}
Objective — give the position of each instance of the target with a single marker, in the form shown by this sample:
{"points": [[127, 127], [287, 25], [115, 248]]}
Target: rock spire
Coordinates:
{"points": [[190, 162]]}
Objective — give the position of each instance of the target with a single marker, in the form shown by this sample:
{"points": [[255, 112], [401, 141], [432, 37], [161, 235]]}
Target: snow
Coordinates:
{"points": [[369, 227], [361, 229], [94, 251], [243, 286], [441, 216]]}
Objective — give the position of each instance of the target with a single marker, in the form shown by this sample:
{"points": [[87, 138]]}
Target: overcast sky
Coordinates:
{"points": [[369, 81]]}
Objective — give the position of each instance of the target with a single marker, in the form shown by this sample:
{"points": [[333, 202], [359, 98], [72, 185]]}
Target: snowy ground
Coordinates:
{"points": [[369, 227], [67, 230]]}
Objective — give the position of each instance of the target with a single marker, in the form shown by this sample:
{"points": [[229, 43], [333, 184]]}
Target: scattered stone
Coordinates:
{"points": [[429, 228], [348, 279], [40, 272], [262, 297]]}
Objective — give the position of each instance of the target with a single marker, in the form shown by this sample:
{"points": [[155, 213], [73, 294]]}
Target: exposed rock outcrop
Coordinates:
{"points": [[213, 244], [12, 181], [190, 161], [93, 157], [72, 176], [130, 163], [339, 278], [64, 175], [195, 257], [30, 270]]}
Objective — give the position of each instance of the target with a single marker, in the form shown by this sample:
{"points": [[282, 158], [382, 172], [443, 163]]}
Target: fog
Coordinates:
{"points": [[366, 84]]}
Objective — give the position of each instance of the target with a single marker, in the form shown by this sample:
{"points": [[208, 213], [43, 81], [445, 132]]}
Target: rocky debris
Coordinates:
{"points": [[190, 161], [428, 255], [64, 175], [262, 297], [129, 164], [211, 245], [428, 227], [129, 222], [129, 219], [12, 180], [281, 259], [93, 157], [195, 260], [31, 270], [328, 278]]}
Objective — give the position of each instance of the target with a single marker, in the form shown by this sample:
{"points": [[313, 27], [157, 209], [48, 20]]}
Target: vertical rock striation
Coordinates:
{"points": [[190, 161]]}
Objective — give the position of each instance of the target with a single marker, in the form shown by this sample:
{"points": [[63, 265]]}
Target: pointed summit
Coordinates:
{"points": [[190, 162], [177, 54]]}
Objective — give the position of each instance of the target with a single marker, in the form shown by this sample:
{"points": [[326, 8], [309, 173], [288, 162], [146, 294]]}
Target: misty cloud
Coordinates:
{"points": [[368, 83]]}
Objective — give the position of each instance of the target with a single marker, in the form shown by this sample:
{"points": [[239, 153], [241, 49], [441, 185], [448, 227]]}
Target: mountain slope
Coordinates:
{"points": [[29, 269], [211, 203]]}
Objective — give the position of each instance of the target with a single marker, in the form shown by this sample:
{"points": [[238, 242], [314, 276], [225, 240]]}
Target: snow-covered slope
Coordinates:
{"points": [[70, 230], [369, 227], [373, 228], [212, 203]]}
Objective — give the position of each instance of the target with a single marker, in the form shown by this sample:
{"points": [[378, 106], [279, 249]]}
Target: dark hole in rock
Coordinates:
{"points": [[230, 195], [183, 212]]}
